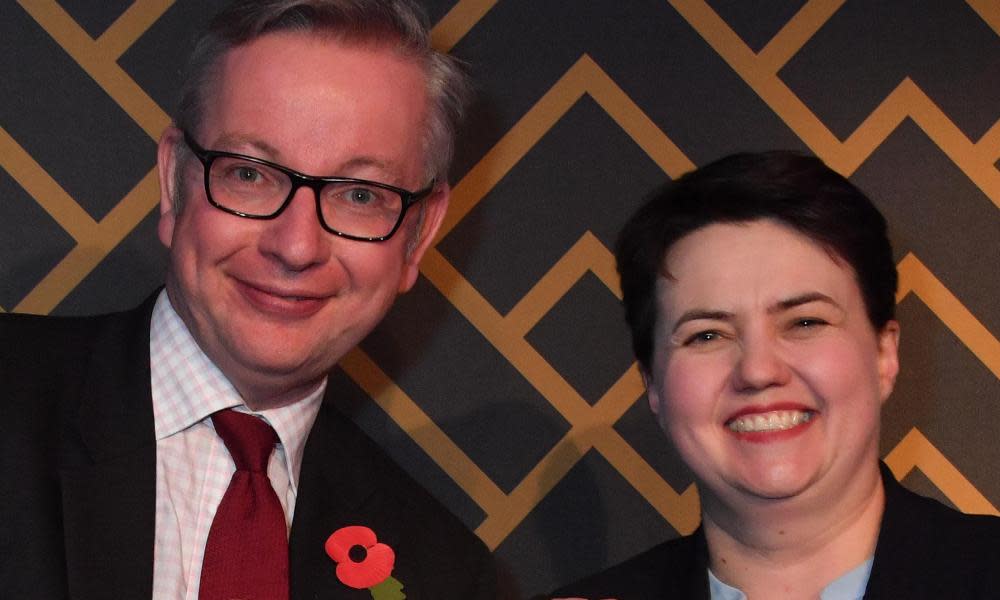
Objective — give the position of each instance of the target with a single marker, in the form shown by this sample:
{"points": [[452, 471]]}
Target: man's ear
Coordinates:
{"points": [[888, 358], [433, 209], [166, 162]]}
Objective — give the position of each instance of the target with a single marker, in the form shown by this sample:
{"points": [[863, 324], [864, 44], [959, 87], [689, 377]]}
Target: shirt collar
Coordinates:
{"points": [[188, 387], [849, 586]]}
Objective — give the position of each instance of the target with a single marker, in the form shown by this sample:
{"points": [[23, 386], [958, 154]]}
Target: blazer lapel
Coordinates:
{"points": [[334, 483], [108, 473], [894, 551]]}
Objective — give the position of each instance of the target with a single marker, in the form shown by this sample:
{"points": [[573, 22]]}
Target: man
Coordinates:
{"points": [[122, 471]]}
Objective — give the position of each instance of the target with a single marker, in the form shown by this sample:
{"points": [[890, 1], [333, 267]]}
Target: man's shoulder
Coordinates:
{"points": [[432, 545], [663, 571], [397, 487], [22, 331], [31, 343], [14, 325]]}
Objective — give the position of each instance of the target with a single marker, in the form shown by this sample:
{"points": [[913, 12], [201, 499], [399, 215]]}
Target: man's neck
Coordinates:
{"points": [[790, 549], [263, 397]]}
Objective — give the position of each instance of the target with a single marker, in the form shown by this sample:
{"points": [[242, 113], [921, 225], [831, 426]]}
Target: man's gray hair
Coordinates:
{"points": [[397, 24]]}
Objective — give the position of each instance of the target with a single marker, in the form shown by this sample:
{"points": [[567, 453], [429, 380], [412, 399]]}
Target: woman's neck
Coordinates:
{"points": [[793, 548]]}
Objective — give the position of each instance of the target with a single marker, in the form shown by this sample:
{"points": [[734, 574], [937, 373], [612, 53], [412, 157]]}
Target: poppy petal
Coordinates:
{"points": [[341, 541], [374, 569]]}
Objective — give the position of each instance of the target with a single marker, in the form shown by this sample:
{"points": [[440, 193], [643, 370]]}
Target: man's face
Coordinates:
{"points": [[767, 375], [275, 303]]}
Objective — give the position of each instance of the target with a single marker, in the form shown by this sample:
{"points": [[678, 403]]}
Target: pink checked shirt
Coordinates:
{"points": [[193, 467]]}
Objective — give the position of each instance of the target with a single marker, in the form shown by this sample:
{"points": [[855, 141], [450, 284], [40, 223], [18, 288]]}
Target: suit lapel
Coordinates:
{"points": [[335, 481], [109, 473]]}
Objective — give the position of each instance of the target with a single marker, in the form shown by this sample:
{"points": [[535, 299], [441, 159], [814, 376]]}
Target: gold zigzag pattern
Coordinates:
{"points": [[98, 58], [460, 19], [916, 451], [760, 72], [591, 426], [916, 278]]}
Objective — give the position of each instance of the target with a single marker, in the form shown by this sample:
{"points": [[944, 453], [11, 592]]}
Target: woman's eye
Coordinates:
{"points": [[809, 323], [806, 326], [702, 337]]}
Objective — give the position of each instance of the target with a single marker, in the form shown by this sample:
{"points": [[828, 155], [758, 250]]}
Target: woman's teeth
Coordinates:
{"points": [[772, 421]]}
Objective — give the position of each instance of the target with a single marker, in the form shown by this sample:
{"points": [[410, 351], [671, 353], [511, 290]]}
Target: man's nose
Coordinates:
{"points": [[760, 364], [295, 237]]}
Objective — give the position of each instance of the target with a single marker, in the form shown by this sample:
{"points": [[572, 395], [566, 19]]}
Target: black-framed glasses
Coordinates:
{"points": [[255, 188]]}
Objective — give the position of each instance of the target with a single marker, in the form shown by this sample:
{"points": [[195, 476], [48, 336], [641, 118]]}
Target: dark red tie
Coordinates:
{"points": [[246, 555]]}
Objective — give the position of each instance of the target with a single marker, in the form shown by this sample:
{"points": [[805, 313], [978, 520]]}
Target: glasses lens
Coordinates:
{"points": [[360, 209], [247, 186]]}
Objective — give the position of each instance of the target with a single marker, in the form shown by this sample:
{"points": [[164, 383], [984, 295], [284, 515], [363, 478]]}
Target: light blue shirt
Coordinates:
{"points": [[849, 586]]}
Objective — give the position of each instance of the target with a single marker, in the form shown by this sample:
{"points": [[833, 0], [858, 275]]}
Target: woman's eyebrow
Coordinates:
{"points": [[702, 313], [801, 299]]}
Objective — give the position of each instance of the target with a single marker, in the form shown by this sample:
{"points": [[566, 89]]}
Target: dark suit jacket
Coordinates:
{"points": [[78, 466], [924, 551]]}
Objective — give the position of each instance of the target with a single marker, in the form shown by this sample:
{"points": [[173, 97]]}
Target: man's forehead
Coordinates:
{"points": [[330, 105]]}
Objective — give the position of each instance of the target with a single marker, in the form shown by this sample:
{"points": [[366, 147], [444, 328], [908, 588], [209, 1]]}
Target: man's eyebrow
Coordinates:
{"points": [[368, 161], [258, 148], [261, 149], [801, 299], [702, 313]]}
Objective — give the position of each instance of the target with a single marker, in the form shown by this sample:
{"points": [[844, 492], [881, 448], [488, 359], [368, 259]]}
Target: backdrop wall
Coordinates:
{"points": [[504, 381]]}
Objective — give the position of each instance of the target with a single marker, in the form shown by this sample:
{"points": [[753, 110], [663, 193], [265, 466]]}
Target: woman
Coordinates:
{"points": [[760, 292]]}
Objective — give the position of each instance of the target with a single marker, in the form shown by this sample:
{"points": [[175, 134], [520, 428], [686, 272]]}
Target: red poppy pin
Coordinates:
{"points": [[363, 562]]}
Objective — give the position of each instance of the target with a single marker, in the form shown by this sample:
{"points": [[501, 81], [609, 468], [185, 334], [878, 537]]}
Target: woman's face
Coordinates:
{"points": [[767, 375]]}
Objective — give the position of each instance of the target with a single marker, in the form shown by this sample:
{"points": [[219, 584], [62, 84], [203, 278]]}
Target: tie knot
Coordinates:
{"points": [[249, 440]]}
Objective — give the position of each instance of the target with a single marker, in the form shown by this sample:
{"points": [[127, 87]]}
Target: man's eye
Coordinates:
{"points": [[245, 174], [361, 196]]}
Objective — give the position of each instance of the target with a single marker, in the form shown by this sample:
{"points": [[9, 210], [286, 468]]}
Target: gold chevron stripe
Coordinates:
{"points": [[94, 247], [533, 488], [794, 35], [96, 62], [583, 77], [682, 511], [588, 254], [988, 11], [131, 25], [915, 277], [33, 178], [593, 429], [906, 100], [916, 451], [518, 352], [460, 19], [424, 431], [989, 144]]}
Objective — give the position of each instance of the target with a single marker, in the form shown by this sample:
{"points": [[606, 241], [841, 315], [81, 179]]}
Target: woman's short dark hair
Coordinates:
{"points": [[787, 187]]}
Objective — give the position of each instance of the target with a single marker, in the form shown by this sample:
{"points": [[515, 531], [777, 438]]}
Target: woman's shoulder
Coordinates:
{"points": [[663, 571], [929, 550]]}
